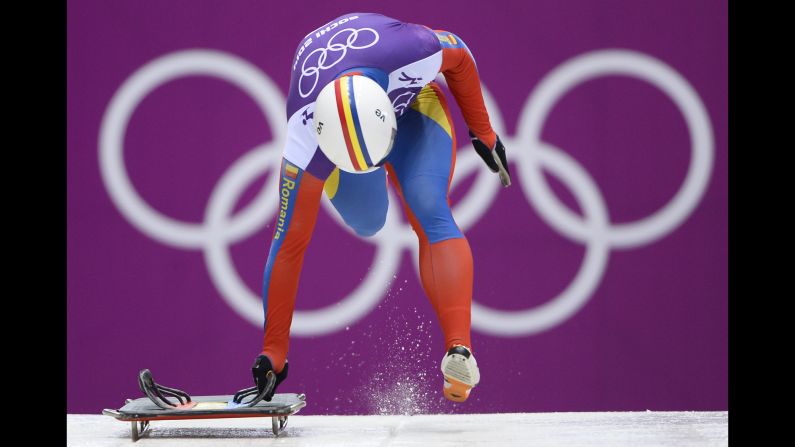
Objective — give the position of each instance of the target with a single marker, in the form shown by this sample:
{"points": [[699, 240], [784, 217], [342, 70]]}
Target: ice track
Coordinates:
{"points": [[504, 430]]}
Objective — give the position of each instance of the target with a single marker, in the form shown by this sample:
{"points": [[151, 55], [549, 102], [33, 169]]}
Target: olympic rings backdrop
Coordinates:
{"points": [[601, 276]]}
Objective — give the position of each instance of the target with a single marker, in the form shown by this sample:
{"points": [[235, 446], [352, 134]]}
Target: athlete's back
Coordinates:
{"points": [[409, 54]]}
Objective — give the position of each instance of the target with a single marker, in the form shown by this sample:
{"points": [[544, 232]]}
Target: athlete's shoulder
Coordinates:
{"points": [[454, 50], [448, 39]]}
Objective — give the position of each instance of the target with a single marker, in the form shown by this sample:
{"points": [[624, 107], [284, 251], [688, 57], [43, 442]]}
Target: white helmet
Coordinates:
{"points": [[355, 123]]}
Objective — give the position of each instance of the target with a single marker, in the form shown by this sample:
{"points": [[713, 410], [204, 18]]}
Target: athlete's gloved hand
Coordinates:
{"points": [[494, 158], [262, 365]]}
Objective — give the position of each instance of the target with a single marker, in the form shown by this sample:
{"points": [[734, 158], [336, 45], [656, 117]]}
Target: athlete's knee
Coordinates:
{"points": [[368, 224], [430, 206], [427, 198], [367, 220]]}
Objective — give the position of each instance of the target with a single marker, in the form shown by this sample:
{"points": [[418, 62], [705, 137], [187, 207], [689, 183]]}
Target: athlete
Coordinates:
{"points": [[403, 59]]}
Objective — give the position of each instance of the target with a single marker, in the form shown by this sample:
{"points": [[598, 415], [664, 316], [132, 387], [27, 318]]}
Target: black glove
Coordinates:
{"points": [[494, 158], [262, 365]]}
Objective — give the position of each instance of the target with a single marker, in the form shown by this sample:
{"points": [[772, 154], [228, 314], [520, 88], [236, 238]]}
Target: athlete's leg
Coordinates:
{"points": [[421, 168], [360, 199]]}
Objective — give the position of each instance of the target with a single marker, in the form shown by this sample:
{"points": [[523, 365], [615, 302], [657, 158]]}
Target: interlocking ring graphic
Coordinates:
{"points": [[335, 47], [528, 152]]}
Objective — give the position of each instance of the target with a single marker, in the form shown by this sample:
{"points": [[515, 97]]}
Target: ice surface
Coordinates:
{"points": [[503, 430]]}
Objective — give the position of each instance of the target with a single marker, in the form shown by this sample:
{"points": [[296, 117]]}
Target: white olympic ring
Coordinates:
{"points": [[529, 154], [335, 47]]}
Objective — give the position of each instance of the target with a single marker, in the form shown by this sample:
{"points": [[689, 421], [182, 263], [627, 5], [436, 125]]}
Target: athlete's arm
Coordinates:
{"points": [[460, 71], [299, 195]]}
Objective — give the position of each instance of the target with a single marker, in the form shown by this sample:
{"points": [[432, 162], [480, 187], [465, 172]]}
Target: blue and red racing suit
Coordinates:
{"points": [[404, 58]]}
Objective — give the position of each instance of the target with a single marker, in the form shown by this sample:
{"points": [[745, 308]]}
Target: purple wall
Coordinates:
{"points": [[651, 332]]}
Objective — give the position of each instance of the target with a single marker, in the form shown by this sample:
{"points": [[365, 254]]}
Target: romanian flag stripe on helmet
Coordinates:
{"points": [[358, 126], [343, 92], [341, 112]]}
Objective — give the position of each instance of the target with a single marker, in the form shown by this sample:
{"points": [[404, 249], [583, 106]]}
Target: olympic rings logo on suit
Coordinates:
{"points": [[528, 152], [332, 47]]}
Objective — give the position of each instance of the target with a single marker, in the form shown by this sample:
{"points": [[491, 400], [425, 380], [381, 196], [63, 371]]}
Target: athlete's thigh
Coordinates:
{"points": [[422, 163], [425, 141], [360, 199]]}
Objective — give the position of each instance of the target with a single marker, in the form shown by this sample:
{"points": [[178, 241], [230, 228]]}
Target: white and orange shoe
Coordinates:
{"points": [[461, 373]]}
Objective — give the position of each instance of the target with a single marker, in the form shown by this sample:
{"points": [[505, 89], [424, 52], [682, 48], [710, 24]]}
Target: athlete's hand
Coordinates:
{"points": [[494, 158], [262, 366]]}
